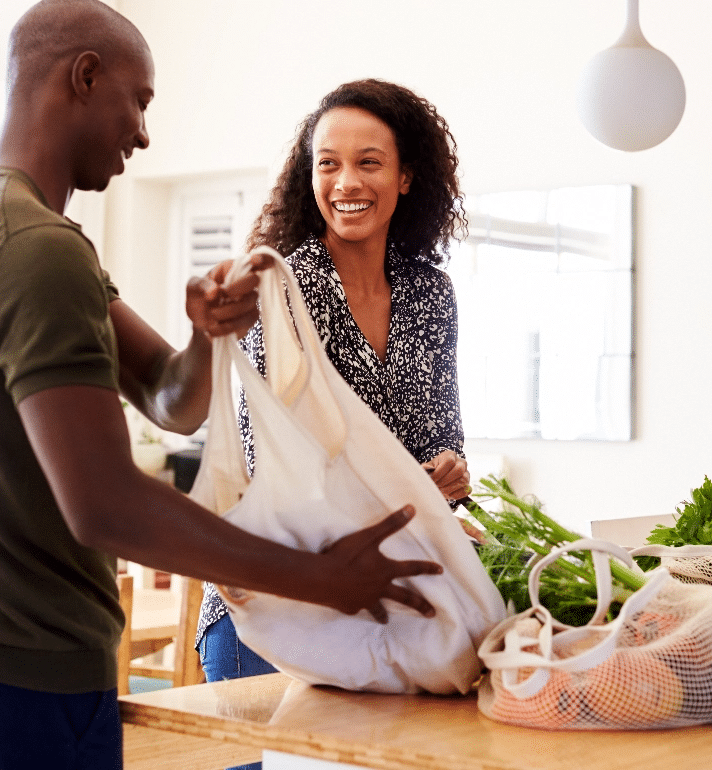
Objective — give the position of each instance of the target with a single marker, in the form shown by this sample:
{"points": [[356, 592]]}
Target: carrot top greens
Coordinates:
{"points": [[521, 533]]}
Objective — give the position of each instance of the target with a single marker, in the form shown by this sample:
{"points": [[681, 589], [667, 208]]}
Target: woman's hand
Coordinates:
{"points": [[449, 472], [217, 309], [366, 575], [472, 531]]}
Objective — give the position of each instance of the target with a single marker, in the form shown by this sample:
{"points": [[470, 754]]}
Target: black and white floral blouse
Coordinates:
{"points": [[414, 391]]}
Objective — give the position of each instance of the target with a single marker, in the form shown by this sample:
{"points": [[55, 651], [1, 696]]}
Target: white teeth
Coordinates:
{"points": [[351, 206]]}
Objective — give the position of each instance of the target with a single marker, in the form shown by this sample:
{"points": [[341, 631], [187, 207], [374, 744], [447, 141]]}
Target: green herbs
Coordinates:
{"points": [[521, 533], [693, 525]]}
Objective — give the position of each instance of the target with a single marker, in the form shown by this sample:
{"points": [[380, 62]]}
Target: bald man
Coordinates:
{"points": [[71, 499]]}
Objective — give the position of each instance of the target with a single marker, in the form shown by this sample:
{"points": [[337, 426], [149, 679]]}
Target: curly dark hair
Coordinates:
{"points": [[424, 220]]}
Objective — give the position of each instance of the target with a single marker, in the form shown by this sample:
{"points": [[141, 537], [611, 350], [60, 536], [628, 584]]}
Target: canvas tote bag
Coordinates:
{"points": [[325, 466]]}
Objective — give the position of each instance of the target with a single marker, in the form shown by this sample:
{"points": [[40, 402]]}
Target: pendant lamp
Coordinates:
{"points": [[631, 96]]}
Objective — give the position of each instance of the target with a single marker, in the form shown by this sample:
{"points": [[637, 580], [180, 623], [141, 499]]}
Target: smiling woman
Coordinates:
{"points": [[357, 179], [366, 207]]}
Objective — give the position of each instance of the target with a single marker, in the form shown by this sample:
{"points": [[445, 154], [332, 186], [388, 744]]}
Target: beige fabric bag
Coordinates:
{"points": [[326, 466]]}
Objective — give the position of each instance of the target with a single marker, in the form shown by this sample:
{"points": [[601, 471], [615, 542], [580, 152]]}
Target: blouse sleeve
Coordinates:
{"points": [[253, 347], [447, 431]]}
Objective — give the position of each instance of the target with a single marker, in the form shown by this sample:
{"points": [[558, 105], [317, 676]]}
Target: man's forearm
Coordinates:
{"points": [[109, 504], [171, 388], [182, 393]]}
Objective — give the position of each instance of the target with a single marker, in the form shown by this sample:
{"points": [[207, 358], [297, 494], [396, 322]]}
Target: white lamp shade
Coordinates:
{"points": [[631, 97]]}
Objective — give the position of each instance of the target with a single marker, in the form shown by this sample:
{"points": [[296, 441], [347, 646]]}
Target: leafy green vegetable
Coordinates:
{"points": [[520, 534], [693, 525], [694, 522]]}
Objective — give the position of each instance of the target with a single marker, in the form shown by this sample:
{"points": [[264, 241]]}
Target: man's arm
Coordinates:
{"points": [[173, 388], [79, 435]]}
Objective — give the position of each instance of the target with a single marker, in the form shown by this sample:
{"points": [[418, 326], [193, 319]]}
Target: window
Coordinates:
{"points": [[544, 289]]}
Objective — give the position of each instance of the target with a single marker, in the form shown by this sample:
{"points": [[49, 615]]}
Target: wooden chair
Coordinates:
{"points": [[154, 619]]}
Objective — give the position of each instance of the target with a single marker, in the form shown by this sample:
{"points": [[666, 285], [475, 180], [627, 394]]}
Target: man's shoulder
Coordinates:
{"points": [[29, 226], [24, 211]]}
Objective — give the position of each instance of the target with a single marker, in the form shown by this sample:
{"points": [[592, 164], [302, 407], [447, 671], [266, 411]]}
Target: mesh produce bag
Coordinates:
{"points": [[649, 668], [687, 563]]}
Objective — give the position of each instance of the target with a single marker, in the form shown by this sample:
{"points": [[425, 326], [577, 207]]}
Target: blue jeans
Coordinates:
{"points": [[62, 732], [224, 656]]}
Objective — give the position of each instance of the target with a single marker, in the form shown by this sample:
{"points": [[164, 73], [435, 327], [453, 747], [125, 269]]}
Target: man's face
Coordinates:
{"points": [[116, 123]]}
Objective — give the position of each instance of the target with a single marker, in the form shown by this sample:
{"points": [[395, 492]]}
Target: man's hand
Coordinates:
{"points": [[450, 474], [217, 309], [368, 574]]}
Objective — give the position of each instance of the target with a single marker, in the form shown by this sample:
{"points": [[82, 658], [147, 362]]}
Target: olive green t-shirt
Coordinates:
{"points": [[60, 621]]}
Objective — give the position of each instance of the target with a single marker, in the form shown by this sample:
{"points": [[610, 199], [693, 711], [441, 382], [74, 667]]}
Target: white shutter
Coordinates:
{"points": [[210, 241], [212, 218]]}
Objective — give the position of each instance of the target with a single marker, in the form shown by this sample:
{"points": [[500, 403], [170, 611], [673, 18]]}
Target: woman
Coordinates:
{"points": [[365, 207]]}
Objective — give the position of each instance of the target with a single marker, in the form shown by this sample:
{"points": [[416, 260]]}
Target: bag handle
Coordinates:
{"points": [[295, 373], [600, 552], [294, 363], [682, 551], [222, 476], [515, 655]]}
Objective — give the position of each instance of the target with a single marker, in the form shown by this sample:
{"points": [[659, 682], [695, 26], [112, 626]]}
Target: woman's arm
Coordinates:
{"points": [[448, 466]]}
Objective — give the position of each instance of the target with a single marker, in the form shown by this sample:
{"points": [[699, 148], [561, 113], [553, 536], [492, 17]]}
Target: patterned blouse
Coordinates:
{"points": [[414, 391]]}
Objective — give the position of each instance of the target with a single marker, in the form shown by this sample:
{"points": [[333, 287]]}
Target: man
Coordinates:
{"points": [[71, 499]]}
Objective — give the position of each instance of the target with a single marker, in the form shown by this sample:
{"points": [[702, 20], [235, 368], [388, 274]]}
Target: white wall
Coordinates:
{"points": [[234, 77]]}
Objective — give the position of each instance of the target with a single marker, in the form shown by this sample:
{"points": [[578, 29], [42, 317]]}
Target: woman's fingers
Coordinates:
{"points": [[449, 473], [472, 531]]}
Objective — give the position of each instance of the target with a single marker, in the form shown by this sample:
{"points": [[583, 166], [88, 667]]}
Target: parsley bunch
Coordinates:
{"points": [[693, 525]]}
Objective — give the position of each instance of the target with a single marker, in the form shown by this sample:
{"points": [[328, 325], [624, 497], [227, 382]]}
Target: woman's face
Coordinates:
{"points": [[356, 176]]}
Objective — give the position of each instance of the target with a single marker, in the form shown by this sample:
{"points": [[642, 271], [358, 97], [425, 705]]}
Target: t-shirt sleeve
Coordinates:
{"points": [[54, 319]]}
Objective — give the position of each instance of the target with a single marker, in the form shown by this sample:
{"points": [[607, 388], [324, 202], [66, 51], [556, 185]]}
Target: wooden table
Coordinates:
{"points": [[387, 732], [154, 620]]}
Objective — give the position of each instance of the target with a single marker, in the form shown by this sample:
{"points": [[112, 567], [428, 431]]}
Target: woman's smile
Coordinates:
{"points": [[348, 207]]}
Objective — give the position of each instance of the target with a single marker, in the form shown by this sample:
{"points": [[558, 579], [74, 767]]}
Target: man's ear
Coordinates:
{"points": [[84, 72]]}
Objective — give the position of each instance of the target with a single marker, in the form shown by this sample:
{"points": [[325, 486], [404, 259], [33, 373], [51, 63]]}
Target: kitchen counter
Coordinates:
{"points": [[286, 718]]}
